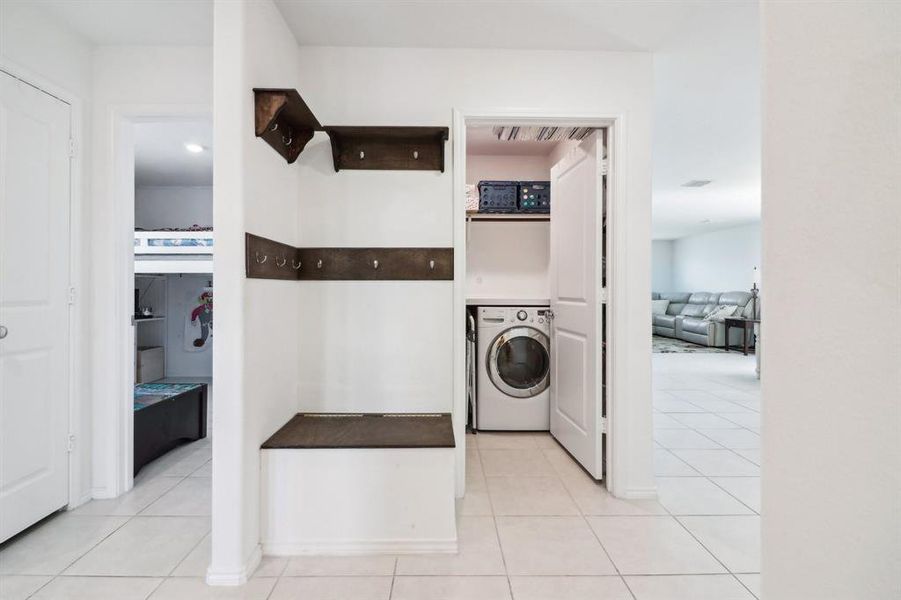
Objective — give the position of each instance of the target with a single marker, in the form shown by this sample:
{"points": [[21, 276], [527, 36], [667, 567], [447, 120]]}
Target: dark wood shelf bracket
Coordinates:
{"points": [[284, 121], [388, 148]]}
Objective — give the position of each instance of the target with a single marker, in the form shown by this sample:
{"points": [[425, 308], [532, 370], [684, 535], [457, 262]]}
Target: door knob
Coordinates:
{"points": [[3, 332]]}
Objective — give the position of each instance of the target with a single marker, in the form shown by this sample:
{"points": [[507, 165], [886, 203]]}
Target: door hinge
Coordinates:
{"points": [[602, 295], [70, 444], [71, 295], [603, 424], [73, 148], [603, 167]]}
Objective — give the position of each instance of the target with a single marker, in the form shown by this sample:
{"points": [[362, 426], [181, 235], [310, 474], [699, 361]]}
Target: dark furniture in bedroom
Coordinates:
{"points": [[167, 415]]}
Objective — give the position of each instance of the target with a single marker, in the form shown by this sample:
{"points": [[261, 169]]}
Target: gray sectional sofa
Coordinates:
{"points": [[684, 317]]}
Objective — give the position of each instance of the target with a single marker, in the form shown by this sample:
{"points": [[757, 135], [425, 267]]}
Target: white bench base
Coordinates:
{"points": [[342, 501]]}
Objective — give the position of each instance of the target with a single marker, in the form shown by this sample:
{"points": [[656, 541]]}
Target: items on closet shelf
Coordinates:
{"points": [[515, 197]]}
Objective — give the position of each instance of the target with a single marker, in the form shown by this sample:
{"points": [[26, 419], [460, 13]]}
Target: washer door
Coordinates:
{"points": [[519, 362]]}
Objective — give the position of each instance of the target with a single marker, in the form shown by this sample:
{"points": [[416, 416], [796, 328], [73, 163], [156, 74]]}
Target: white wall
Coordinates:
{"points": [[130, 82], [831, 229], [507, 168], [182, 297], [719, 261], [662, 266], [257, 331], [158, 207], [46, 53], [508, 260]]}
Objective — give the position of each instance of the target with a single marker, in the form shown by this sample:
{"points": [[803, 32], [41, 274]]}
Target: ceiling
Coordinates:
{"points": [[535, 24], [161, 158], [480, 140], [136, 22], [706, 55]]}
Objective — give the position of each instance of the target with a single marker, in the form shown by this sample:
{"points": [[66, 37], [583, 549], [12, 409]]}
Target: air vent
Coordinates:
{"points": [[541, 134], [696, 183]]}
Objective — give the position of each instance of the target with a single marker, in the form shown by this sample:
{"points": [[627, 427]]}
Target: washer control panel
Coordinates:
{"points": [[536, 316]]}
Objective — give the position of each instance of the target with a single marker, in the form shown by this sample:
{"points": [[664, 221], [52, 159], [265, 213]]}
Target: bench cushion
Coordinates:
{"points": [[393, 430]]}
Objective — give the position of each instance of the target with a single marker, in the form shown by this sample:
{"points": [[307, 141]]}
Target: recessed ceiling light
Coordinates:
{"points": [[696, 183], [195, 148], [706, 222]]}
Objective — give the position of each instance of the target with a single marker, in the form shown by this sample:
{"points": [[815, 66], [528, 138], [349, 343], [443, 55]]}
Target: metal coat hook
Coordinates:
{"points": [[319, 264], [297, 265], [287, 140], [274, 127], [432, 265], [415, 155], [281, 264], [362, 155], [375, 264], [265, 258]]}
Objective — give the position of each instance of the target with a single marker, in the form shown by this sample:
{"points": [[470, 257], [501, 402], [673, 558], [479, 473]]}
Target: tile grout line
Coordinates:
{"points": [[596, 536], [497, 533]]}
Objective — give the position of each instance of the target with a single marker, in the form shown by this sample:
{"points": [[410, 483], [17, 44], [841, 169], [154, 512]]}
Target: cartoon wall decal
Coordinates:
{"points": [[199, 323]]}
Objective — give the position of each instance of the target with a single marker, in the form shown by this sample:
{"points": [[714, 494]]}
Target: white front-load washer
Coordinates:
{"points": [[514, 362]]}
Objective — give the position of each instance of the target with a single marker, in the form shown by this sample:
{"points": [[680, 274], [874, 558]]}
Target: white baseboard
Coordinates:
{"points": [[238, 577], [648, 493], [352, 547]]}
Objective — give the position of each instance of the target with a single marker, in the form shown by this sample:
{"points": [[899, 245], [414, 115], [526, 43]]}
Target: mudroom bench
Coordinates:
{"points": [[359, 484]]}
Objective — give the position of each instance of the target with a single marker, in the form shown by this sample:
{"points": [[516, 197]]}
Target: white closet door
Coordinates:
{"points": [[575, 276], [34, 311]]}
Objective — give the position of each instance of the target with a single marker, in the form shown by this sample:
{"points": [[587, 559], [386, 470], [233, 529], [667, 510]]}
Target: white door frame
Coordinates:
{"points": [[120, 418], [615, 451], [80, 456]]}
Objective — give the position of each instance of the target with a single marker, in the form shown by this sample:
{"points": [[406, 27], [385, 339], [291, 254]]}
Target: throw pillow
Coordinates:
{"points": [[658, 307], [720, 313]]}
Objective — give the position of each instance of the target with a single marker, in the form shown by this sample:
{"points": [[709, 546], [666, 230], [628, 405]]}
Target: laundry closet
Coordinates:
{"points": [[532, 252]]}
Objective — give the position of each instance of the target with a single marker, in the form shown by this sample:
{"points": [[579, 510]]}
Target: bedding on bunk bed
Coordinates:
{"points": [[165, 416]]}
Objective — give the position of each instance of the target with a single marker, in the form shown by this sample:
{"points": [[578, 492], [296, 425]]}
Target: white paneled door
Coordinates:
{"points": [[575, 276], [34, 304]]}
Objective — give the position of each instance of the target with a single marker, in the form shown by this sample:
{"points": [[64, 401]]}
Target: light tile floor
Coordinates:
{"points": [[533, 525]]}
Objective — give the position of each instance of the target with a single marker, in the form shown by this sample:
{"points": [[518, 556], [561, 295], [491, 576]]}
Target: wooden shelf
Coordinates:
{"points": [[388, 148], [510, 217], [284, 121], [395, 430], [146, 319]]}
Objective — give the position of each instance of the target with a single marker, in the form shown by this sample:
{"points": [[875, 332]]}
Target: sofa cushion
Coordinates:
{"points": [[703, 298], [694, 310], [693, 325], [675, 308], [722, 311], [658, 307], [668, 321], [676, 297], [737, 298]]}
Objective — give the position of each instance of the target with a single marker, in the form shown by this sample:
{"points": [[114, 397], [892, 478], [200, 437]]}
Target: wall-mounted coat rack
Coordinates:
{"points": [[388, 148], [285, 122], [268, 259]]}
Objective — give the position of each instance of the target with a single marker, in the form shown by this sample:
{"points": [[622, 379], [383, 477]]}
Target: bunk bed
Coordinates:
{"points": [[174, 251]]}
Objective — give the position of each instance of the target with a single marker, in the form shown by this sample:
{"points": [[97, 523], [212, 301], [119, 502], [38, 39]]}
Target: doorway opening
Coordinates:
{"points": [[173, 292], [532, 206]]}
